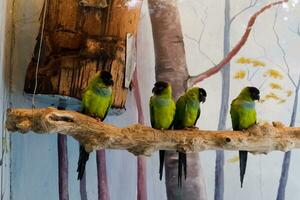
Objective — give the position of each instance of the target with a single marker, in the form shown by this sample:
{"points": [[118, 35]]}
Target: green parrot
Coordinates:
{"points": [[162, 111], [186, 116], [97, 98], [243, 115]]}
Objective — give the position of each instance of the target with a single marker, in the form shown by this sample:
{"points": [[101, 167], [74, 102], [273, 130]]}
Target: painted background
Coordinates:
{"points": [[274, 45]]}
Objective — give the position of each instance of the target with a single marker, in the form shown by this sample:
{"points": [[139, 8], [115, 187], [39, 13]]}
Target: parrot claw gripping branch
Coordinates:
{"points": [[143, 140]]}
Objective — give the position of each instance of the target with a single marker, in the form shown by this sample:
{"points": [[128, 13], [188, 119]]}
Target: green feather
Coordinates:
{"points": [[242, 111], [97, 98], [243, 115], [162, 109], [187, 109]]}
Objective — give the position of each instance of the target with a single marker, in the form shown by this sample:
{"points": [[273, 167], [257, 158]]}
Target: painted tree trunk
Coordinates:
{"points": [[141, 160], [62, 167], [62, 154], [141, 178], [171, 66], [82, 188], [103, 190], [225, 72], [287, 155]]}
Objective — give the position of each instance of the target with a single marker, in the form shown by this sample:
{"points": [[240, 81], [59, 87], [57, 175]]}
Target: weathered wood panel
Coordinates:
{"points": [[80, 38]]}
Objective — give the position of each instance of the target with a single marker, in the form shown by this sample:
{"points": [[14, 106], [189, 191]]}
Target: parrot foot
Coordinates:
{"points": [[191, 128], [98, 119]]}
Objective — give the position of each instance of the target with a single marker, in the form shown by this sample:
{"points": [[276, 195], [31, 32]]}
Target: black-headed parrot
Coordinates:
{"points": [[187, 114], [162, 111], [97, 98], [243, 115]]}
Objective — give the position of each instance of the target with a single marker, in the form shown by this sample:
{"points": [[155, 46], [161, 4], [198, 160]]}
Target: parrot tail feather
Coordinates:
{"points": [[83, 158], [161, 163], [243, 163], [182, 165]]}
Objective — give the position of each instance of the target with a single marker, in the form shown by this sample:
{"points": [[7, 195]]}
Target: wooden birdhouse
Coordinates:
{"points": [[79, 37]]}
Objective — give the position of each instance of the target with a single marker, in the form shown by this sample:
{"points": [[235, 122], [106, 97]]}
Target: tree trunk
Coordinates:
{"points": [[103, 191], [287, 156], [62, 167], [225, 72], [141, 161], [62, 151], [171, 66]]}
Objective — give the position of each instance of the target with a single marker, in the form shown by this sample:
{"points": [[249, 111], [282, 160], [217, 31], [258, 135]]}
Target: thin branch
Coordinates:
{"points": [[195, 79], [142, 140], [198, 41], [282, 49], [264, 50], [251, 5]]}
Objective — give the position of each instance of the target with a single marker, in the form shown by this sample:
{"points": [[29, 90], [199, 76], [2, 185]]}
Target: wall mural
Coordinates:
{"points": [[220, 46]]}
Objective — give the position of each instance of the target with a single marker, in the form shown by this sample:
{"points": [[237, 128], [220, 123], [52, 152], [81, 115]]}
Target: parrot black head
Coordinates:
{"points": [[106, 78], [254, 93], [159, 87], [202, 95]]}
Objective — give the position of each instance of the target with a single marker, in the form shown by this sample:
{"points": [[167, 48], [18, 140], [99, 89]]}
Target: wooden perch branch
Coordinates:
{"points": [[143, 140]]}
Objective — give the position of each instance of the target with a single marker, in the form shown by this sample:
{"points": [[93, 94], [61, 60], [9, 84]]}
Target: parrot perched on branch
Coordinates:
{"points": [[186, 116], [162, 111], [96, 101], [243, 115]]}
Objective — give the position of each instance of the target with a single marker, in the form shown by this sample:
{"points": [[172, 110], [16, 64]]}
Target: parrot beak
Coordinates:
{"points": [[258, 97], [154, 90], [110, 82], [203, 99]]}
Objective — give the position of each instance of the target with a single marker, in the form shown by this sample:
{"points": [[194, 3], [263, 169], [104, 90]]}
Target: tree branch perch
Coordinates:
{"points": [[143, 140]]}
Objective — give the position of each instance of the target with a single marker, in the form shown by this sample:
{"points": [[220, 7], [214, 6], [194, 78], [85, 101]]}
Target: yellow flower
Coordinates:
{"points": [[243, 60], [281, 101], [272, 95], [276, 86], [257, 63], [289, 93], [240, 74], [233, 159], [273, 74], [253, 62]]}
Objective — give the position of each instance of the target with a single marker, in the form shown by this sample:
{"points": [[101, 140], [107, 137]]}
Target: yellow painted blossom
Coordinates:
{"points": [[233, 159], [240, 74], [276, 86], [289, 93], [281, 101], [273, 74], [253, 62], [272, 95]]}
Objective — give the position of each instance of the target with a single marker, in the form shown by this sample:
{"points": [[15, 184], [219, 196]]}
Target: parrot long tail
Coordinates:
{"points": [[243, 164], [161, 163], [83, 158], [182, 165]]}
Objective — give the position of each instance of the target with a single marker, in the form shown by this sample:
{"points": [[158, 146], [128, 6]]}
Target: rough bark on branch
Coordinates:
{"points": [[143, 140]]}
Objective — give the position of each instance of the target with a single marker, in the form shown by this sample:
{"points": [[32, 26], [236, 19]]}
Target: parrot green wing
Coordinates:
{"points": [[180, 113], [243, 114], [198, 115], [234, 115], [152, 114], [109, 106]]}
